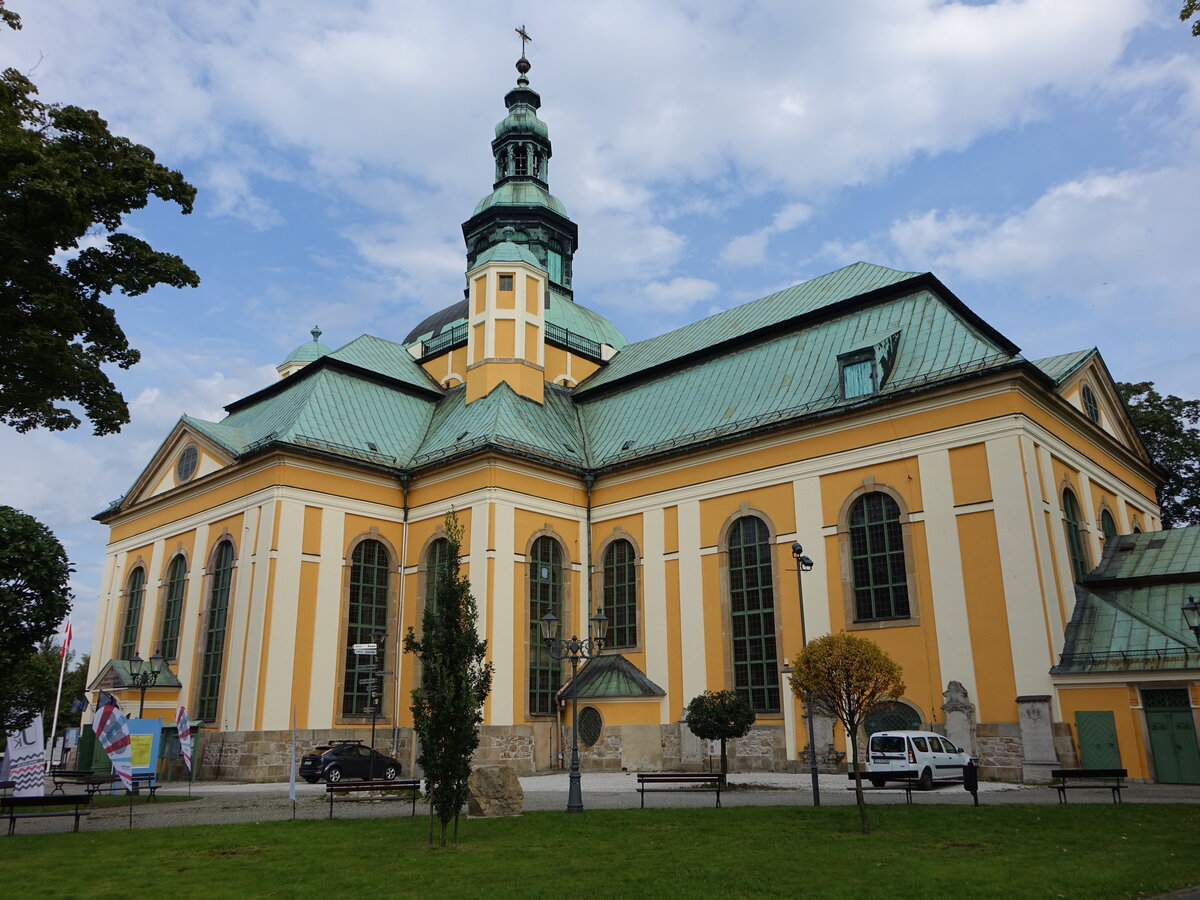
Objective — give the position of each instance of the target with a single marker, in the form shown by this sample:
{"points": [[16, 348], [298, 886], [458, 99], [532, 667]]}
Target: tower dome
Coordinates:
{"points": [[304, 354]]}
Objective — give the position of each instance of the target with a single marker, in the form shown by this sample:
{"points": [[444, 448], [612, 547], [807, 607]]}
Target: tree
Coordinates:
{"points": [[852, 677], [447, 708], [1190, 8], [719, 715], [64, 177], [35, 597], [1164, 422]]}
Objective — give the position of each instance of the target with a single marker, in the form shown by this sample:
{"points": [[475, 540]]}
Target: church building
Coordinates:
{"points": [[950, 493]]}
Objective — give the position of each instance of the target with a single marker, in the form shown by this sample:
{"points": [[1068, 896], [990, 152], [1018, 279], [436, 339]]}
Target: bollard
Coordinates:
{"points": [[971, 780]]}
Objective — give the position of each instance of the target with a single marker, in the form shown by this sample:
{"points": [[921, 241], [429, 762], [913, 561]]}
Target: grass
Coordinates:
{"points": [[940, 852]]}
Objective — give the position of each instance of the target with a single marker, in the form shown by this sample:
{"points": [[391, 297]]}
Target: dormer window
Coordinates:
{"points": [[858, 373]]}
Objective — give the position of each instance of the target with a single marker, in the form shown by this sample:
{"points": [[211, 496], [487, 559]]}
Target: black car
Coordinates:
{"points": [[347, 759]]}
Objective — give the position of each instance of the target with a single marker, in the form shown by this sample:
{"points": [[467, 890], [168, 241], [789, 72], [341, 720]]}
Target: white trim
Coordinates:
{"points": [[505, 613], [691, 602]]}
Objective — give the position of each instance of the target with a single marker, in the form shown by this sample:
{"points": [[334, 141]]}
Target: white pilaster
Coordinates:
{"points": [[691, 601], [654, 600], [505, 616]]}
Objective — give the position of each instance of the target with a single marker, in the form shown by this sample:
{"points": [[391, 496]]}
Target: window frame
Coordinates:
{"points": [[1072, 515], [132, 607], [849, 604], [171, 618], [766, 587], [632, 586], [356, 632], [538, 660], [847, 361], [1091, 407], [892, 534], [219, 583]]}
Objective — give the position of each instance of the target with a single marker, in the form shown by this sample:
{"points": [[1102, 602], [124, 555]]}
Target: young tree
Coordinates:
{"points": [[1165, 423], [720, 715], [35, 597], [64, 176], [447, 708], [852, 677]]}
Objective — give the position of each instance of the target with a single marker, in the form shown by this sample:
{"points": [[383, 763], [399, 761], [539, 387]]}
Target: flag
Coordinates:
{"points": [[26, 760], [79, 705], [183, 728], [112, 731], [106, 699], [66, 644]]}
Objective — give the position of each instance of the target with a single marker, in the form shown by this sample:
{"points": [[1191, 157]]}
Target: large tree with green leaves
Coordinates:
{"points": [[719, 715], [447, 707], [852, 677], [1165, 423], [65, 179], [35, 596]]}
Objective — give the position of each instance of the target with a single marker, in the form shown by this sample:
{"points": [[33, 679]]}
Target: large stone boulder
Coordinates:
{"points": [[495, 791]]}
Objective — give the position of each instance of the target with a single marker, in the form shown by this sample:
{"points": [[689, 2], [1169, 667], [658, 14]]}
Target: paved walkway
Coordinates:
{"points": [[222, 803]]}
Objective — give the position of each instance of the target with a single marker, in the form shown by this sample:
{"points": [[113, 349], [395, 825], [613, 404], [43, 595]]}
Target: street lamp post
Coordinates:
{"points": [[804, 564], [574, 649], [143, 678]]}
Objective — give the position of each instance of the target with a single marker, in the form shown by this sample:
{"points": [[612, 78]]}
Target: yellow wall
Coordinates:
{"points": [[1120, 700], [987, 615], [969, 474]]}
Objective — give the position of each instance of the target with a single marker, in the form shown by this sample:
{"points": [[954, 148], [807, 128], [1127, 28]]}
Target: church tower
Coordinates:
{"points": [[520, 197]]}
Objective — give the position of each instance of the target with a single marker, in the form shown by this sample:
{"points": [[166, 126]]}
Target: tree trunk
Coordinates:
{"points": [[456, 828], [858, 793], [430, 824], [443, 833]]}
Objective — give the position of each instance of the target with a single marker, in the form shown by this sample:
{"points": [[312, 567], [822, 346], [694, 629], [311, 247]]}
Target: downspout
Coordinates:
{"points": [[405, 480]]}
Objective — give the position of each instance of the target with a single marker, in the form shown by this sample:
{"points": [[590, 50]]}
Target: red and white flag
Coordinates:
{"points": [[66, 642], [112, 731], [183, 728]]}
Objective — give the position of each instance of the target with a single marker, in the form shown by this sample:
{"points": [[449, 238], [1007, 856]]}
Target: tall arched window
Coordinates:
{"points": [[1108, 525], [752, 614], [877, 559], [168, 639], [367, 616], [1090, 407], [134, 593], [545, 596], [437, 561], [212, 659], [1074, 539], [620, 594]]}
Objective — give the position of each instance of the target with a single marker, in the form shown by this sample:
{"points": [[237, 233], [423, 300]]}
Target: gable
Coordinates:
{"points": [[185, 456], [1083, 381]]}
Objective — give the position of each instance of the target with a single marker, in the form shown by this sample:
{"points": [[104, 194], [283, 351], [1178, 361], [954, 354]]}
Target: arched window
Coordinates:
{"points": [[1090, 407], [212, 660], [752, 614], [134, 593], [367, 616], [877, 559], [168, 639], [620, 594], [545, 596], [1074, 539], [1108, 525], [893, 717], [437, 561]]}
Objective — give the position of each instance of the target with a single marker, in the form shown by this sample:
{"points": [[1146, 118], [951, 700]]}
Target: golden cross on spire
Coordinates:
{"points": [[525, 38]]}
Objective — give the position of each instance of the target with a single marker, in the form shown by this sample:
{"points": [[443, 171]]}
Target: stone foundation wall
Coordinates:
{"points": [[1000, 751], [266, 755], [506, 745]]}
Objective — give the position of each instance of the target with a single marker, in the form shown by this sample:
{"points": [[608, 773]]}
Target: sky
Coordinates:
{"points": [[1038, 156]]}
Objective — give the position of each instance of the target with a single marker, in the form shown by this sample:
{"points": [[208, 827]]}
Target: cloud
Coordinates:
{"points": [[679, 294], [751, 249]]}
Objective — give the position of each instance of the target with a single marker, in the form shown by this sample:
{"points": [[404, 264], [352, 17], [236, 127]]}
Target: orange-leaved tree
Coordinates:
{"points": [[852, 677]]}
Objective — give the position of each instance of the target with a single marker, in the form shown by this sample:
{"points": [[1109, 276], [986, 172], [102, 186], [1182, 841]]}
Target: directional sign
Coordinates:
{"points": [[365, 649]]}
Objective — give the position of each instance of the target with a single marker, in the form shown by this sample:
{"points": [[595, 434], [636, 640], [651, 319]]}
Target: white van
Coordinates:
{"points": [[900, 755]]}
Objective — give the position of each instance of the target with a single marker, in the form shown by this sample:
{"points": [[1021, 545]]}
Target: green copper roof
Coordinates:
{"points": [[801, 298], [521, 193], [549, 430], [1151, 554], [612, 676], [1062, 366], [507, 251], [793, 374], [522, 119], [385, 358], [583, 321], [310, 350], [115, 674]]}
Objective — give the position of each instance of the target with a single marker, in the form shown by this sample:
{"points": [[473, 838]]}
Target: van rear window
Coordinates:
{"points": [[921, 744], [887, 743]]}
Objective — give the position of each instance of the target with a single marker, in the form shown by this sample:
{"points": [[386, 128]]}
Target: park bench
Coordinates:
{"points": [[1092, 779], [404, 788], [6, 786], [84, 778], [701, 781], [140, 780], [967, 776], [10, 805]]}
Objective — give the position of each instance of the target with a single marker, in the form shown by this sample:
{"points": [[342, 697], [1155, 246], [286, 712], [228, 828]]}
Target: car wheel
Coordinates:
{"points": [[334, 775], [925, 782], [878, 782], [389, 773]]}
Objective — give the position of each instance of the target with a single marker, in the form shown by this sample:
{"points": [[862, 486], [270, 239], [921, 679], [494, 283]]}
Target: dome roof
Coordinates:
{"points": [[521, 193], [308, 351], [442, 320], [562, 312], [522, 119]]}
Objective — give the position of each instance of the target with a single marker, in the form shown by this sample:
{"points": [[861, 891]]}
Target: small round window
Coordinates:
{"points": [[590, 725], [1089, 404], [185, 466]]}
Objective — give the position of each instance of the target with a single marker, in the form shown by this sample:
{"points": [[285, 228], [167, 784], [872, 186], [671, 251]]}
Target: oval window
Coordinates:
{"points": [[590, 726], [185, 466]]}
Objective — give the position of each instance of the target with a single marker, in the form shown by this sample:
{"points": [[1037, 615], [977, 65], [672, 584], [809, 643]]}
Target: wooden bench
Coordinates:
{"points": [[704, 781], [409, 786], [86, 779], [10, 805], [140, 780], [1078, 779]]}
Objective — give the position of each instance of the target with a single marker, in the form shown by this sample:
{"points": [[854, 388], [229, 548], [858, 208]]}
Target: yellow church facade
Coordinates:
{"points": [[949, 492]]}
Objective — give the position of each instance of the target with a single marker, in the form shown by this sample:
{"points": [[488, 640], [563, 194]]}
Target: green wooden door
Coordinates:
{"points": [[1097, 733], [1172, 728]]}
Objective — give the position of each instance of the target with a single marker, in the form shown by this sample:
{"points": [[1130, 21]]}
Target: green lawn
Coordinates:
{"points": [[947, 852]]}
